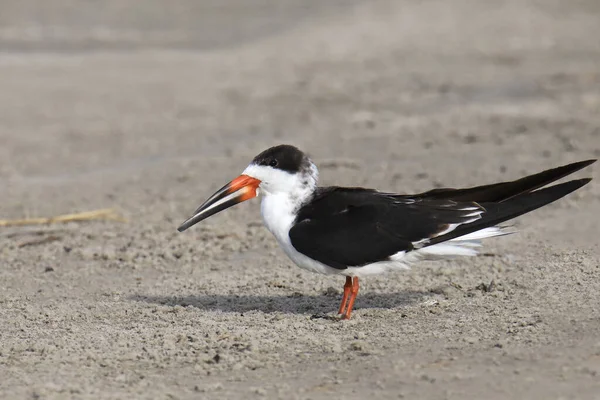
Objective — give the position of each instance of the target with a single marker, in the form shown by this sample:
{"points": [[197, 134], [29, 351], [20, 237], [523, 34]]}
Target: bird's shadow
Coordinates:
{"points": [[295, 303]]}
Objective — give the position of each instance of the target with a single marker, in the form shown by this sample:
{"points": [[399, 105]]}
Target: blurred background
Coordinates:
{"points": [[149, 106], [155, 103], [74, 26]]}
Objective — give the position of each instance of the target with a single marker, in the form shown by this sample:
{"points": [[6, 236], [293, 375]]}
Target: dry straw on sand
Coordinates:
{"points": [[107, 214]]}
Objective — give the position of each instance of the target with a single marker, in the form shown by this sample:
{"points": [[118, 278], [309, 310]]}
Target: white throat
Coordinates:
{"points": [[281, 201], [279, 212], [283, 195]]}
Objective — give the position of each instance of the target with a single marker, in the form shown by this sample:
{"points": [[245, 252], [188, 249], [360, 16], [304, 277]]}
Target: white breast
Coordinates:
{"points": [[278, 215]]}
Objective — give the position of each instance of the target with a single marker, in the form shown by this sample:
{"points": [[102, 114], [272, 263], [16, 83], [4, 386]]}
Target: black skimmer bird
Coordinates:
{"points": [[356, 232]]}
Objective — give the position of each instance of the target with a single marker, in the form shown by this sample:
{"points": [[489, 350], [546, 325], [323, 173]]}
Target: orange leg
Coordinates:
{"points": [[353, 294], [347, 289]]}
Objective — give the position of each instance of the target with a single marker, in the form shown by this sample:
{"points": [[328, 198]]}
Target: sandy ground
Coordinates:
{"points": [[149, 109]]}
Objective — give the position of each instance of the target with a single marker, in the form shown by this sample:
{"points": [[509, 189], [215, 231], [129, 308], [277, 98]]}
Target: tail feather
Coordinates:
{"points": [[501, 192], [490, 231], [512, 207]]}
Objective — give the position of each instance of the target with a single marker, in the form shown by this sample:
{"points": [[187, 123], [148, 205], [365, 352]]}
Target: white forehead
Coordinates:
{"points": [[275, 180]]}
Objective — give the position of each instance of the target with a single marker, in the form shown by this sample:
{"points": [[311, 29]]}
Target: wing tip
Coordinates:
{"points": [[576, 166], [585, 163], [580, 182]]}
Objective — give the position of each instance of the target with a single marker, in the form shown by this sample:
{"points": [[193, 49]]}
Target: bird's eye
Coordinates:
{"points": [[273, 163]]}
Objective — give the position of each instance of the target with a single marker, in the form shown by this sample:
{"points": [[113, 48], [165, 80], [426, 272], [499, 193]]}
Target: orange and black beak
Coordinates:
{"points": [[240, 189]]}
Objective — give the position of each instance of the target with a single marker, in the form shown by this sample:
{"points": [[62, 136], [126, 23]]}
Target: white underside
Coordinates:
{"points": [[461, 246], [399, 261], [278, 214]]}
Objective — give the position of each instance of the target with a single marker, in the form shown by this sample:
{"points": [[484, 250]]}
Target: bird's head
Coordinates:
{"points": [[280, 170]]}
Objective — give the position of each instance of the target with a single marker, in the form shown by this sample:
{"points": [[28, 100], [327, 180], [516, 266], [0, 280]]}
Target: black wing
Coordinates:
{"points": [[344, 227], [499, 192]]}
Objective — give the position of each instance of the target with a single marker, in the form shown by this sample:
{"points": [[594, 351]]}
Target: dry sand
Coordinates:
{"points": [[150, 108]]}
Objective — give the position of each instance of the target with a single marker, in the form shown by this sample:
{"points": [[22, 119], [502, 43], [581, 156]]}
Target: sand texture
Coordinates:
{"points": [[148, 107]]}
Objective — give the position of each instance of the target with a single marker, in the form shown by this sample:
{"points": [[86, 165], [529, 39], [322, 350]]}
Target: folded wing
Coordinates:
{"points": [[345, 227], [354, 227]]}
